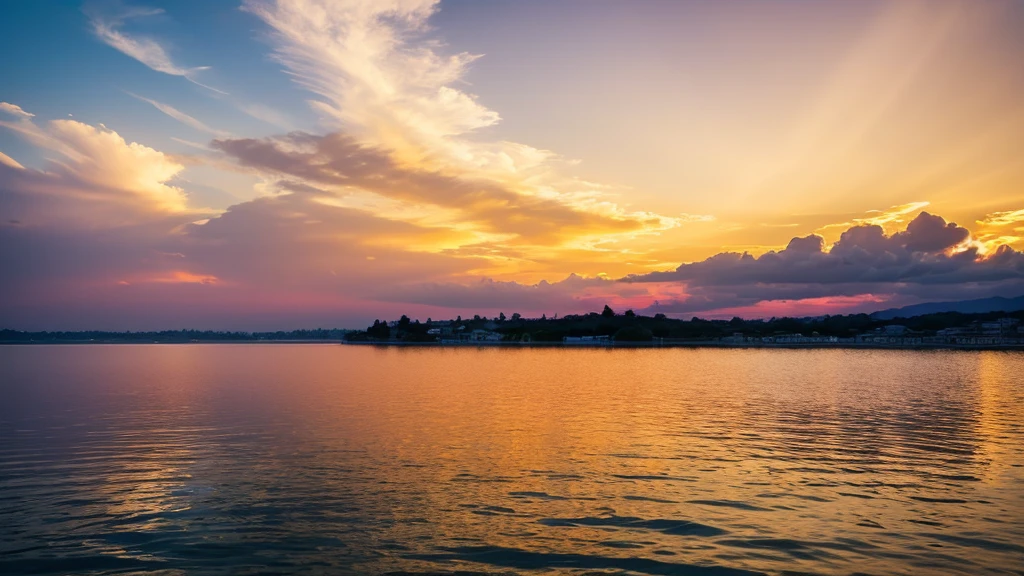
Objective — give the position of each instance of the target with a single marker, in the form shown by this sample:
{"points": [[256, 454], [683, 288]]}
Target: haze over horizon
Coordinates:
{"points": [[272, 164]]}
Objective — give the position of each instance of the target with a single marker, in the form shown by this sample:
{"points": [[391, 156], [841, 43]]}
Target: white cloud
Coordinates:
{"points": [[14, 110], [145, 50], [96, 163], [357, 56], [379, 75]]}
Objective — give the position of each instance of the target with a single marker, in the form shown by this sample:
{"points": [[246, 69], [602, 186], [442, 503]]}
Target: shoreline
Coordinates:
{"points": [[623, 345], [172, 342], [701, 344]]}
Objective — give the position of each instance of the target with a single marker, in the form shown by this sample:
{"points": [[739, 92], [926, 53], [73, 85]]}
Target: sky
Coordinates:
{"points": [[276, 164]]}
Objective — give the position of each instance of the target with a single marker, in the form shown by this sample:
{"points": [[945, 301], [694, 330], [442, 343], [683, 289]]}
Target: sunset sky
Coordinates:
{"points": [[276, 164]]}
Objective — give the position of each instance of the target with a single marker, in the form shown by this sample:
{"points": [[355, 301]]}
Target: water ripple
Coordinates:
{"points": [[211, 459]]}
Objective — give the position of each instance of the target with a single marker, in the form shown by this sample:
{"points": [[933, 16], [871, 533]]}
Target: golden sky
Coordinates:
{"points": [[288, 162]]}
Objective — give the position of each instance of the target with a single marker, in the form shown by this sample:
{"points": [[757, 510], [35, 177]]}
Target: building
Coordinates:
{"points": [[587, 340], [800, 339], [484, 336]]}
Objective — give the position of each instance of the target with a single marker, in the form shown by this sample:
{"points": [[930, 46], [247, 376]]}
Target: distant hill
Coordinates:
{"points": [[982, 305]]}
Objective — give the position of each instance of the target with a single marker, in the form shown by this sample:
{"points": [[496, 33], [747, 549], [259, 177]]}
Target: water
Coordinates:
{"points": [[213, 459]]}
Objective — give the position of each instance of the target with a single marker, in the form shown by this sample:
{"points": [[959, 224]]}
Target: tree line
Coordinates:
{"points": [[632, 327], [626, 327], [169, 336]]}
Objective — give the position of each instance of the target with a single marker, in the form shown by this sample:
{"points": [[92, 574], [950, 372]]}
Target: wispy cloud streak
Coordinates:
{"points": [[180, 116], [145, 50]]}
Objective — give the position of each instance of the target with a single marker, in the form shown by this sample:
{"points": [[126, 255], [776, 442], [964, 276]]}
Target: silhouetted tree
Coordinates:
{"points": [[630, 314], [501, 316], [516, 316], [379, 330], [608, 312]]}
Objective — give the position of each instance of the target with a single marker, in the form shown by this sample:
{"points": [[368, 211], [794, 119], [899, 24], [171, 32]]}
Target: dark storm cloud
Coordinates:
{"points": [[863, 254], [928, 260]]}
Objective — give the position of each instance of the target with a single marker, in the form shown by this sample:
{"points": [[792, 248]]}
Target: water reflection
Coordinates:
{"points": [[268, 459]]}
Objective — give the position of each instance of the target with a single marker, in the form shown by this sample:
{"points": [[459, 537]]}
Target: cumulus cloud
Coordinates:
{"points": [[96, 164], [929, 255], [930, 234]]}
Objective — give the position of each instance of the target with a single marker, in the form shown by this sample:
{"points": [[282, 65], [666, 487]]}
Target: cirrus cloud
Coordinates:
{"points": [[146, 50]]}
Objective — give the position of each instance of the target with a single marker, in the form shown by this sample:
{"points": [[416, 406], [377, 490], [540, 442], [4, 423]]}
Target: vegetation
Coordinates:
{"points": [[630, 327], [170, 336], [626, 327]]}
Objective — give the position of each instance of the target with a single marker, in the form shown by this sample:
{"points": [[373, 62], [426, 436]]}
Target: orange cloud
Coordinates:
{"points": [[183, 277]]}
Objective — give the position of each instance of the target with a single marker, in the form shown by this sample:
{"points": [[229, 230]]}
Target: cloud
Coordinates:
{"points": [[573, 294], [1000, 228], [696, 218], [180, 116], [145, 50], [96, 164], [931, 234], [929, 256], [1007, 218], [267, 115], [14, 110], [379, 75], [357, 57], [341, 162], [404, 204], [892, 215], [300, 255], [280, 259], [10, 162]]}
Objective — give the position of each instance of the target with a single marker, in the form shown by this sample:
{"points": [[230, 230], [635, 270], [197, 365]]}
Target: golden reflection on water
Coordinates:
{"points": [[657, 461]]}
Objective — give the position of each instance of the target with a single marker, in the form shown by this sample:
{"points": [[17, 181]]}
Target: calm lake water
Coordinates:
{"points": [[214, 459]]}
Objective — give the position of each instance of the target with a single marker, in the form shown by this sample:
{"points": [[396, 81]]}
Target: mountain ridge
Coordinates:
{"points": [[977, 306]]}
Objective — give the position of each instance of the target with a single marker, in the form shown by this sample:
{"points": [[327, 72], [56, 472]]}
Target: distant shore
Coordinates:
{"points": [[699, 344], [147, 342], [655, 344]]}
